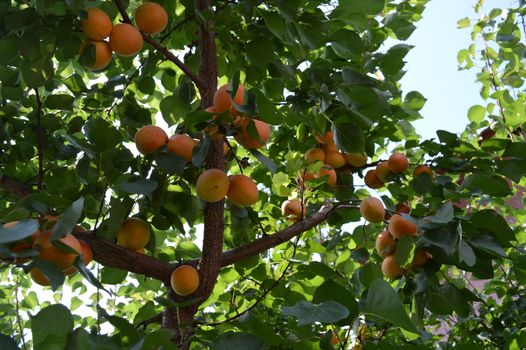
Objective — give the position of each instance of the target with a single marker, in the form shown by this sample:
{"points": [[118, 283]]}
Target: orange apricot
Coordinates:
{"points": [[151, 18], [38, 277], [184, 280], [398, 162], [103, 53], [391, 268], [398, 226], [334, 338], [126, 40], [420, 258], [87, 253], [335, 159], [385, 244], [97, 25], [382, 171], [181, 145], [150, 138], [329, 173], [314, 155], [423, 169], [357, 160], [331, 147], [242, 191], [133, 234], [246, 139], [293, 209], [372, 180], [61, 258], [326, 138], [372, 209], [212, 185], [222, 101]]}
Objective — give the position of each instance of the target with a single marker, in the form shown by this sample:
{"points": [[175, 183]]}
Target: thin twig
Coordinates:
{"points": [[101, 206], [17, 309], [40, 140]]}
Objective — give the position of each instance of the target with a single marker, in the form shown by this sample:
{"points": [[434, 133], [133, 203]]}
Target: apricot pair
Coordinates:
{"points": [[214, 184], [330, 156]]}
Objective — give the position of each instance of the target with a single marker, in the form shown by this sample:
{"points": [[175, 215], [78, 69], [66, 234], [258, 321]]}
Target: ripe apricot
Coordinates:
{"points": [[329, 173], [420, 258], [125, 40], [372, 209], [423, 169], [212, 130], [372, 180], [314, 155], [97, 25], [293, 209], [134, 234], [61, 258], [38, 277], [150, 138], [326, 138], [242, 191], [151, 18], [382, 171], [87, 253], [246, 139], [103, 53], [222, 101], [334, 338], [403, 208], [398, 226], [184, 280], [181, 145], [385, 244], [212, 185], [141, 251], [331, 147], [334, 159], [357, 160], [390, 267], [398, 162]]}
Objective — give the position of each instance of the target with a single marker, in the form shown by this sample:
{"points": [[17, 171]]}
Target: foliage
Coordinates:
{"points": [[67, 136]]}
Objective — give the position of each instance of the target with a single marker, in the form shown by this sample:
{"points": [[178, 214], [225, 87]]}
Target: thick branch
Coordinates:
{"points": [[264, 243], [169, 56]]}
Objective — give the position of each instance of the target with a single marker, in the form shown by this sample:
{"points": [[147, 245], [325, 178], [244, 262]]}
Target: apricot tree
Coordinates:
{"points": [[232, 216]]}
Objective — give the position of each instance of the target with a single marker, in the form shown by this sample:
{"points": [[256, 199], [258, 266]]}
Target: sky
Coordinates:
{"points": [[432, 67]]}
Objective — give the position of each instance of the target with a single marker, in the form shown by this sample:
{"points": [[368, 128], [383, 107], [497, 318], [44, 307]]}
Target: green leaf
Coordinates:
{"points": [[347, 43], [492, 221], [86, 273], [20, 231], [331, 290], [51, 327], [466, 254], [110, 275], [7, 343], [60, 101], [170, 163], [200, 152], [309, 313], [124, 327], [404, 247], [444, 237], [463, 23], [476, 113], [138, 185], [102, 134], [489, 244], [369, 273], [68, 220], [366, 7], [486, 184], [267, 162], [349, 137], [274, 22], [238, 340], [443, 215], [383, 302], [160, 339], [415, 100]]}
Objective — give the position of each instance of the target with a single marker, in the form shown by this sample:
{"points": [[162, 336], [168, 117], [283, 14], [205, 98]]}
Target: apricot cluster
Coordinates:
{"points": [[124, 39], [214, 185], [397, 163], [40, 241]]}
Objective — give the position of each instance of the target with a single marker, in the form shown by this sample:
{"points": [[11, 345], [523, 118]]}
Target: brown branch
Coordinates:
{"points": [[14, 187], [169, 56], [40, 140]]}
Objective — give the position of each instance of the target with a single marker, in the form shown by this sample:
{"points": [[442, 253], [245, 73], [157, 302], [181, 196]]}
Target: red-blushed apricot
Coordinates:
{"points": [[222, 101], [382, 171], [398, 162], [38, 277], [293, 209], [315, 155], [329, 174], [385, 244], [244, 137], [372, 181], [97, 25], [357, 160], [62, 259], [390, 267], [212, 185], [242, 191], [150, 138], [103, 53], [423, 169], [326, 138], [151, 18], [184, 280], [334, 159], [372, 209], [126, 40], [398, 226], [133, 234], [420, 258], [181, 145]]}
